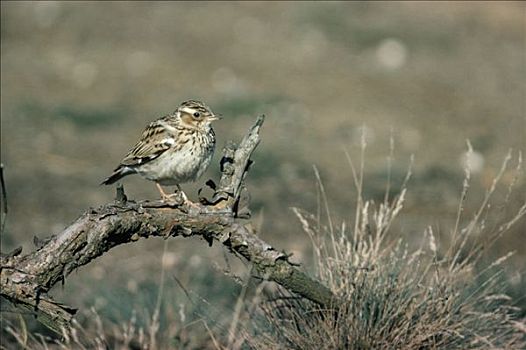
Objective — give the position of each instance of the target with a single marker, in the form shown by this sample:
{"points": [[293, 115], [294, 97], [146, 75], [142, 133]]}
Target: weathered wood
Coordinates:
{"points": [[26, 279]]}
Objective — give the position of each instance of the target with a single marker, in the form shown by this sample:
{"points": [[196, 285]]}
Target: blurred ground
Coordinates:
{"points": [[80, 81]]}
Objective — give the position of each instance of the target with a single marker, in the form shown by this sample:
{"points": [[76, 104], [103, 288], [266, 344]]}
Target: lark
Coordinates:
{"points": [[172, 150]]}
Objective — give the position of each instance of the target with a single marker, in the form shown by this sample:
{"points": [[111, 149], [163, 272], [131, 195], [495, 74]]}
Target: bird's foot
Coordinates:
{"points": [[175, 198], [178, 198], [186, 202]]}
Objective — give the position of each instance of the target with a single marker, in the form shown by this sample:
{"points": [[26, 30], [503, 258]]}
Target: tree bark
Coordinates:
{"points": [[26, 279]]}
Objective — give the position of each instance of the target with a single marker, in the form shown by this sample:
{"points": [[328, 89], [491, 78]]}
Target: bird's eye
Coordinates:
{"points": [[197, 114]]}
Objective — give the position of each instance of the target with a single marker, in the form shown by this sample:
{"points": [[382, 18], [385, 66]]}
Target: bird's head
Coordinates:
{"points": [[195, 114]]}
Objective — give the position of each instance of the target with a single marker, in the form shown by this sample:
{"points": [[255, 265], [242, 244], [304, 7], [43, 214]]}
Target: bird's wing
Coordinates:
{"points": [[156, 139]]}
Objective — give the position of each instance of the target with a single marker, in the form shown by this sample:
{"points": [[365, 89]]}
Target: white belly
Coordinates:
{"points": [[172, 168]]}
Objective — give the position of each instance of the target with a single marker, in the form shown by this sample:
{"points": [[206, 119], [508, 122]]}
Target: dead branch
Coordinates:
{"points": [[25, 280]]}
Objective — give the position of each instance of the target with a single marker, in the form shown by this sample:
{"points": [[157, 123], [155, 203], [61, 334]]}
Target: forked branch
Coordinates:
{"points": [[26, 279]]}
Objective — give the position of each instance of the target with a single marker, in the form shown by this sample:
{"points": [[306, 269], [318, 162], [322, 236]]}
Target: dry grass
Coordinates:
{"points": [[80, 80], [432, 297], [395, 298]]}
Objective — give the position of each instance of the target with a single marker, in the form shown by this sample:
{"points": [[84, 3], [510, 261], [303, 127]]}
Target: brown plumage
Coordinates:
{"points": [[174, 149]]}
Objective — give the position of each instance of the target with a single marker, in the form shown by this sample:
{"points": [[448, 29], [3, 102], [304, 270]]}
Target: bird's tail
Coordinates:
{"points": [[118, 174]]}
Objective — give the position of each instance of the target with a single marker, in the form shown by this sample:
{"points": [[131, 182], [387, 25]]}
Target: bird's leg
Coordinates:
{"points": [[177, 196], [185, 198], [179, 190], [164, 196]]}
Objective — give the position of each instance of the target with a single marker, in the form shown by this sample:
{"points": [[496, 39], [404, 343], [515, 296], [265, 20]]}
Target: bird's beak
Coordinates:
{"points": [[215, 117]]}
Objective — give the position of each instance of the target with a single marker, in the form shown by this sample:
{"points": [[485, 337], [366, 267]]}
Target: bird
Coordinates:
{"points": [[173, 149]]}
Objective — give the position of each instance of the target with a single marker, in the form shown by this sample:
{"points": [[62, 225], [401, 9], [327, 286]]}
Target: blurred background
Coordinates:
{"points": [[80, 80]]}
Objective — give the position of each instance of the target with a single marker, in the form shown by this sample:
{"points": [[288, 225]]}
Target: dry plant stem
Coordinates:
{"points": [[26, 279], [3, 214]]}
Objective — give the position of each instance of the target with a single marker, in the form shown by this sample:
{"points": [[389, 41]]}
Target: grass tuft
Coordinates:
{"points": [[432, 297]]}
